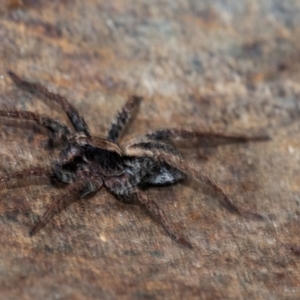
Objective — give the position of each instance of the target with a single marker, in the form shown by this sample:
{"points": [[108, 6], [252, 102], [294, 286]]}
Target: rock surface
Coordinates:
{"points": [[226, 65]]}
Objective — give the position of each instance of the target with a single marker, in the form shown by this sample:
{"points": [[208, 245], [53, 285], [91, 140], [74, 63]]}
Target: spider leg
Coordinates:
{"points": [[160, 216], [59, 130], [25, 173], [155, 145], [184, 167], [34, 88], [59, 204], [61, 175], [122, 118], [91, 186], [72, 193], [215, 138]]}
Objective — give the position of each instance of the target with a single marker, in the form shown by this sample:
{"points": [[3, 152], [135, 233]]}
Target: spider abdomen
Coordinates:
{"points": [[147, 171]]}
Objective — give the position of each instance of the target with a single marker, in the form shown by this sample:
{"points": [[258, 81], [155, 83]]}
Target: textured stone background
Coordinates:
{"points": [[230, 65]]}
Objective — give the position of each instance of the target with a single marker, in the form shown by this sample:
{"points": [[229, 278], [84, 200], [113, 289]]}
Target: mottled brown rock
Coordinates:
{"points": [[228, 65]]}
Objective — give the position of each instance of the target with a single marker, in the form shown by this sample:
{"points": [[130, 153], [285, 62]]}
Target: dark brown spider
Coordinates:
{"points": [[87, 163]]}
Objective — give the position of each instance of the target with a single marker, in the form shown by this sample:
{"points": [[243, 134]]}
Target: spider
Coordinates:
{"points": [[87, 163]]}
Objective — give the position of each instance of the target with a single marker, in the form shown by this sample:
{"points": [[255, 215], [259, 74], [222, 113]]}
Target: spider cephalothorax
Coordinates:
{"points": [[87, 163]]}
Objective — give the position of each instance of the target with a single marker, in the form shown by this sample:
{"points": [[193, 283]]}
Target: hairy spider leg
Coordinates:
{"points": [[72, 193], [59, 130], [156, 145], [184, 167], [158, 214], [34, 88], [25, 173], [91, 186], [122, 118], [215, 138]]}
